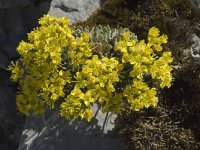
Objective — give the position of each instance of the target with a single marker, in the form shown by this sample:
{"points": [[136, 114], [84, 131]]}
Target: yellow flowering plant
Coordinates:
{"points": [[54, 59]]}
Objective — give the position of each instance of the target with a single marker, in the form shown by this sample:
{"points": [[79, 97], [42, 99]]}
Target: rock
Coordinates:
{"points": [[17, 18], [196, 7], [2, 36], [13, 3], [11, 123], [74, 10], [14, 30], [193, 52], [4, 62], [176, 67], [11, 132], [195, 3], [52, 132], [195, 48], [31, 13], [2, 139], [17, 21]]}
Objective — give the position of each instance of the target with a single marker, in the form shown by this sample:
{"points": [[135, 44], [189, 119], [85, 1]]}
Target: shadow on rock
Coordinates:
{"points": [[50, 131], [16, 19]]}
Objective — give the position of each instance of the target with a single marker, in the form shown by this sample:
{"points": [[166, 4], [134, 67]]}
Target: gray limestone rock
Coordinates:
{"points": [[195, 47], [193, 52], [50, 131], [196, 7], [195, 3], [74, 10]]}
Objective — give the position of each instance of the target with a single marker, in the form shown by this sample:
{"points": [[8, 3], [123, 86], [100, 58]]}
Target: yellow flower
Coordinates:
{"points": [[17, 72], [163, 39], [87, 114], [153, 32]]}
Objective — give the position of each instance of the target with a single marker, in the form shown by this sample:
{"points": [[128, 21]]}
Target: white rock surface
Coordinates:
{"points": [[195, 3], [193, 52]]}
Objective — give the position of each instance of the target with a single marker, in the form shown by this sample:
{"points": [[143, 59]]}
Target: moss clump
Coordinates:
{"points": [[154, 130], [183, 98]]}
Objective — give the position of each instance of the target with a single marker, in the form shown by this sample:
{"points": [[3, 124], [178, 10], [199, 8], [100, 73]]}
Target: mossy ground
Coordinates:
{"points": [[176, 19]]}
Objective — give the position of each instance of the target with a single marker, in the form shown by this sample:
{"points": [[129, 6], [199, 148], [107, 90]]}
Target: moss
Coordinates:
{"points": [[154, 130], [183, 98], [124, 12], [174, 18]]}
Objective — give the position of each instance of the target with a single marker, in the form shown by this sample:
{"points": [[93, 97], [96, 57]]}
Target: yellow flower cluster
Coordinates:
{"points": [[139, 95], [144, 60], [16, 71], [42, 81], [53, 60], [80, 50], [98, 76]]}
